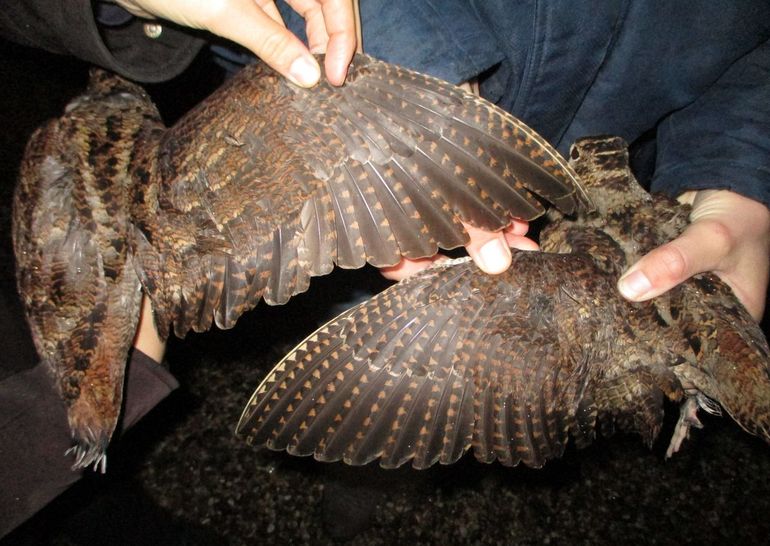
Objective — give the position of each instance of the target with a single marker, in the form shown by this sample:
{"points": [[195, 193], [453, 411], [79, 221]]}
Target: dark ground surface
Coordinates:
{"points": [[181, 477]]}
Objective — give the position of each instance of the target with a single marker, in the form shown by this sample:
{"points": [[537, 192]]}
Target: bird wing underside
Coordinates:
{"points": [[447, 360], [267, 184]]}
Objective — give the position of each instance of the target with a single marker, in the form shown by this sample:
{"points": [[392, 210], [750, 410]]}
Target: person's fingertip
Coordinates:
{"points": [[407, 267], [494, 256], [521, 243], [335, 76], [634, 285], [304, 71], [518, 227], [336, 65]]}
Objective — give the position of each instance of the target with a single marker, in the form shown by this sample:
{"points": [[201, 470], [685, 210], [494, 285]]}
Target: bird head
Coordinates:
{"points": [[603, 167], [104, 86]]}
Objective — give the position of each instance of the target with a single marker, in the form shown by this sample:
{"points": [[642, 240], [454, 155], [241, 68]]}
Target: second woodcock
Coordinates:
{"points": [[513, 366]]}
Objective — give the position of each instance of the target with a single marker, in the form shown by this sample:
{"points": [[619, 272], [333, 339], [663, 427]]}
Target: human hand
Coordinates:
{"points": [[490, 250], [729, 234], [257, 25]]}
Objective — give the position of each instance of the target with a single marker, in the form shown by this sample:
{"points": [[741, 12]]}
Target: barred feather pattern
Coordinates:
{"points": [[381, 168], [256, 190], [74, 262], [511, 366]]}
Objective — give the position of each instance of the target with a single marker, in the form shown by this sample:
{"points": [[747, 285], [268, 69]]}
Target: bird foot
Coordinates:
{"points": [[87, 455], [688, 417]]}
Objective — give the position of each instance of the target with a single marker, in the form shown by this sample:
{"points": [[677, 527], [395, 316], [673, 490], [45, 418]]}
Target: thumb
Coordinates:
{"points": [[269, 40], [488, 249], [701, 247]]}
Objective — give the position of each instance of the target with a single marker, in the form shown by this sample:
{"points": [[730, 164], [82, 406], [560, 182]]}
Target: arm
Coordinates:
{"points": [[34, 435], [257, 25], [74, 28]]}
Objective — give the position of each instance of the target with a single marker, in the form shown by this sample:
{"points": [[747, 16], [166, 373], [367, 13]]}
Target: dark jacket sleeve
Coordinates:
{"points": [[34, 435], [721, 140], [70, 27]]}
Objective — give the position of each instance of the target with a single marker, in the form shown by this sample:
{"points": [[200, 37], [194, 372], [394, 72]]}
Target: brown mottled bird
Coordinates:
{"points": [[259, 188], [513, 365]]}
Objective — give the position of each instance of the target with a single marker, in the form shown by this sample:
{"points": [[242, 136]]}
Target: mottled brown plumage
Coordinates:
{"points": [[256, 190], [513, 365]]}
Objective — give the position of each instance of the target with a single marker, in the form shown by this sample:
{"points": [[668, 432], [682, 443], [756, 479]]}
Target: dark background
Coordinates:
{"points": [[181, 477]]}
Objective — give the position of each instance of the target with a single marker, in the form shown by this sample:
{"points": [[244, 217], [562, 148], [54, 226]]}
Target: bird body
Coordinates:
{"points": [[512, 366], [257, 189], [75, 264]]}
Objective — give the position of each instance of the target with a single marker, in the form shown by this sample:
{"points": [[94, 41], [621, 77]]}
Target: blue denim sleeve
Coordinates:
{"points": [[443, 38], [721, 140]]}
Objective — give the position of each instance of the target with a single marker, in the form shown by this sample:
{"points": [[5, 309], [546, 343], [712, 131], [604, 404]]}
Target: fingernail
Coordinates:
{"points": [[494, 256], [304, 72], [634, 285]]}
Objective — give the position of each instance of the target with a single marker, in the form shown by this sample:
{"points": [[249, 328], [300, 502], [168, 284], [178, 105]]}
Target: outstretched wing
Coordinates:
{"points": [[265, 184], [446, 360]]}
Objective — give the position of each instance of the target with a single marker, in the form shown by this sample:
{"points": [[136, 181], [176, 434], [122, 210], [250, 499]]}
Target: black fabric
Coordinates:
{"points": [[34, 435], [17, 353], [110, 14], [70, 28]]}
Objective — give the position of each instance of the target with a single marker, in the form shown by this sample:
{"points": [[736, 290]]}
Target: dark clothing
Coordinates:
{"points": [[696, 75], [34, 435], [693, 76], [70, 27]]}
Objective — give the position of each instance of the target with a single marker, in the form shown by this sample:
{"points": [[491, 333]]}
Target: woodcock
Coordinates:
{"points": [[513, 365], [259, 188]]}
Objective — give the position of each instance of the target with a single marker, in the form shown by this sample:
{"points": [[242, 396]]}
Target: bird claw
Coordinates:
{"points": [[87, 455]]}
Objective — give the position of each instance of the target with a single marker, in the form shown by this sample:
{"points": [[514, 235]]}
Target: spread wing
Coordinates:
{"points": [[265, 184], [446, 360]]}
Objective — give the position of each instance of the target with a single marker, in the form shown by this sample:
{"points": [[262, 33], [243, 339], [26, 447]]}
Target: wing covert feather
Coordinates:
{"points": [[412, 375], [383, 167]]}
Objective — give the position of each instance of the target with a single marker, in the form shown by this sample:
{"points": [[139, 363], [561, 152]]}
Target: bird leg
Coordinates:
{"points": [[688, 417]]}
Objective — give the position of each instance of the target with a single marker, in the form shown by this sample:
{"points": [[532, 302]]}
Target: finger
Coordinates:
{"points": [[701, 247], [330, 29], [407, 267], [246, 23], [315, 25], [488, 249], [498, 259], [520, 242], [517, 227], [515, 235], [341, 29], [269, 7]]}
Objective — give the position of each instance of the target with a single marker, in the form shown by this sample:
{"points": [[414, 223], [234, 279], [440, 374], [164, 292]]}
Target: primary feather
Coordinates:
{"points": [[260, 187], [511, 366]]}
